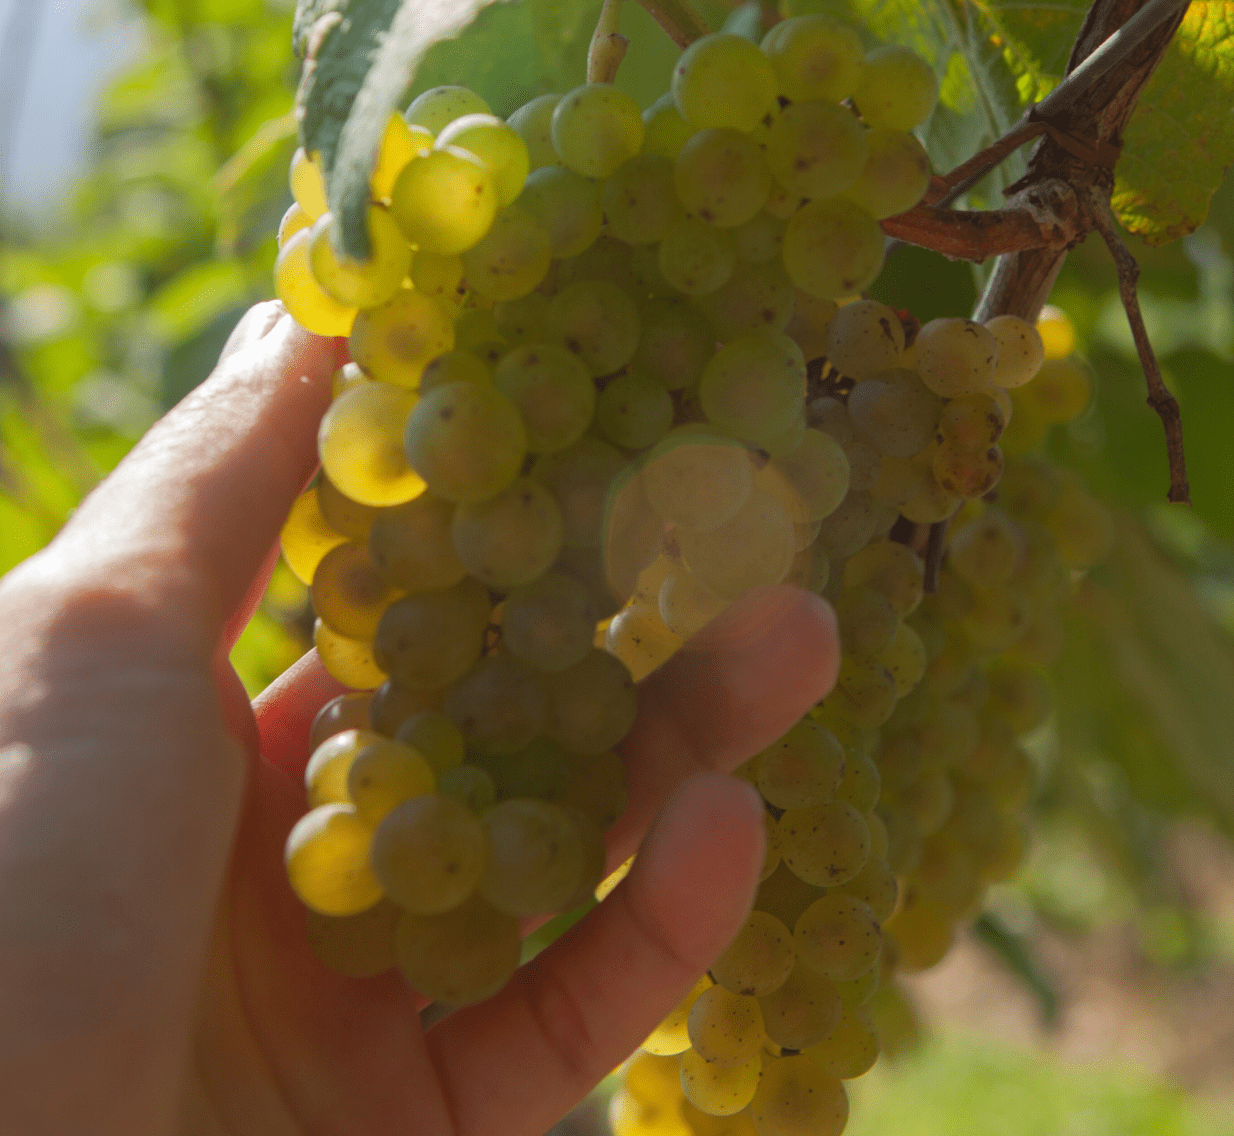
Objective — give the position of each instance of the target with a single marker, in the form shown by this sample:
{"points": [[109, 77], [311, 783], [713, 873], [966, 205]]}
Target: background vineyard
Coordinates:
{"points": [[1117, 944]]}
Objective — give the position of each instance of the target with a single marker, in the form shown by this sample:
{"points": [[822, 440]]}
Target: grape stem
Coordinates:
{"points": [[1159, 398], [682, 23], [608, 45]]}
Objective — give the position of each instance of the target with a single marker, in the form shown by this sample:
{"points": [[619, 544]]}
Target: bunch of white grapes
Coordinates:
{"points": [[610, 371]]}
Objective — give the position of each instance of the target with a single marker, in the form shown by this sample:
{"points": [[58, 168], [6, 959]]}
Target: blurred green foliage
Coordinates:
{"points": [[112, 313]]}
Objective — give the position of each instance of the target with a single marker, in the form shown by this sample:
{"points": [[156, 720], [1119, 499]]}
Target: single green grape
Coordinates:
{"points": [[360, 284], [437, 107], [349, 594], [685, 606], [445, 201], [534, 122], [753, 387], [895, 176], [550, 622], [429, 853], [838, 936], [796, 1098], [696, 258], [825, 844], [833, 248], [675, 343], [438, 276], [461, 956], [666, 131], [596, 128], [597, 321], [327, 860], [640, 200], [758, 298], [500, 705], [567, 205], [384, 775], [759, 959], [956, 356], [411, 546], [814, 57], [553, 392], [325, 776], [511, 538], [803, 767], [303, 297], [723, 80], [897, 89], [536, 857], [720, 176], [802, 1010], [634, 411], [852, 1048], [816, 149], [395, 342], [511, 259], [725, 1028], [430, 639], [591, 704], [498, 145], [718, 1090]]}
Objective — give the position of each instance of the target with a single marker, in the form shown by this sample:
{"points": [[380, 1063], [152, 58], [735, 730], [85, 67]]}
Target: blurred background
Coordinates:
{"points": [[144, 150]]}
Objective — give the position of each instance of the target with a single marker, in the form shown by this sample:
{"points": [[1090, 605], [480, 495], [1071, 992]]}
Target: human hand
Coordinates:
{"points": [[156, 972]]}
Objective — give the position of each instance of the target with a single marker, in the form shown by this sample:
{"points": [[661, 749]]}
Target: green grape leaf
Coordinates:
{"points": [[360, 56], [1180, 140]]}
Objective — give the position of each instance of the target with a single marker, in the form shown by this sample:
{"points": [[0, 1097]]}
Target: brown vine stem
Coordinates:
{"points": [[682, 23], [608, 45], [1159, 398], [967, 234]]}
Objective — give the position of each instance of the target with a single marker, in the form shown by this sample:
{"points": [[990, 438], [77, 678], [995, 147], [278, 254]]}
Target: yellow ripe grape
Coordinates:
{"points": [[1021, 350], [327, 860], [1060, 392], [724, 80], [796, 1098], [651, 1079], [597, 128], [293, 221], [672, 1035], [498, 145], [628, 1116], [353, 520], [348, 660], [534, 122], [603, 890], [360, 443], [305, 300], [826, 844], [759, 958], [325, 776], [719, 1090], [851, 1049], [702, 1124], [666, 131], [347, 376], [1057, 332], [349, 594], [726, 1028], [308, 186], [437, 107], [395, 342], [355, 946], [838, 936], [802, 1010], [445, 201], [399, 145], [385, 774], [638, 637], [440, 277], [306, 537], [355, 283]]}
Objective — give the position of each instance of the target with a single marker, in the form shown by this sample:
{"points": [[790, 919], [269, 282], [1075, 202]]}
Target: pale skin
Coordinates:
{"points": [[155, 973]]}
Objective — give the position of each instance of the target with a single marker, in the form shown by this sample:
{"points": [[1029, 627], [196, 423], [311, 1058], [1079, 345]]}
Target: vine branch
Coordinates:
{"points": [[682, 23]]}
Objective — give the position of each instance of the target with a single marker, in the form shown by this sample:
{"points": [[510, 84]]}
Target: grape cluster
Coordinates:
{"points": [[610, 371]]}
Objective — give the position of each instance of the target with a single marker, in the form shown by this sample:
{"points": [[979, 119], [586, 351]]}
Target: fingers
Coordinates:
{"points": [[192, 513], [285, 711], [583, 1005], [728, 693]]}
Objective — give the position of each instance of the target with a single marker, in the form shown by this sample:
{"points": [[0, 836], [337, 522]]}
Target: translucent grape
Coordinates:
{"points": [[469, 785], [864, 338], [759, 298], [597, 321], [891, 568], [307, 184], [579, 478], [956, 356], [849, 527], [567, 207], [345, 712], [349, 594], [754, 548], [832, 248], [814, 57], [429, 853], [666, 131], [445, 201], [534, 123], [511, 538], [355, 946], [650, 1078], [1021, 350], [467, 441], [461, 956], [553, 392], [695, 257], [438, 740], [803, 767], [753, 387], [675, 343], [838, 936], [630, 1117], [437, 107], [634, 411], [306, 537], [343, 514], [759, 958], [1057, 332], [512, 257], [671, 1036], [967, 473], [875, 886], [686, 606], [897, 89], [500, 704], [399, 145], [499, 146], [802, 1010], [723, 81], [719, 1090], [384, 775], [810, 482], [596, 129], [430, 639], [550, 622], [360, 284], [350, 661], [411, 545], [826, 844], [395, 342], [851, 1049], [639, 200], [895, 176], [971, 422], [697, 481], [1060, 392], [721, 177], [816, 149], [592, 704], [796, 1098], [325, 776], [725, 1028], [535, 860], [305, 299], [294, 220], [327, 860], [439, 277]]}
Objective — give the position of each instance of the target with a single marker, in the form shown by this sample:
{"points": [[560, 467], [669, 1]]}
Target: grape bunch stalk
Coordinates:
{"points": [[610, 371]]}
